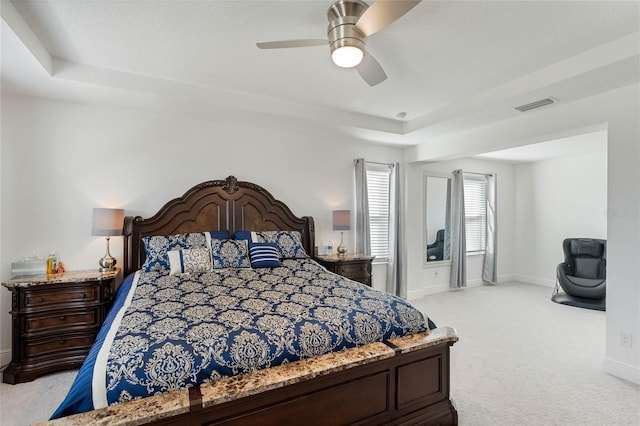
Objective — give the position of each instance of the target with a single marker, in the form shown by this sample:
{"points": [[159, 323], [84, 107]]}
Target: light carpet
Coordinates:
{"points": [[521, 360], [524, 360]]}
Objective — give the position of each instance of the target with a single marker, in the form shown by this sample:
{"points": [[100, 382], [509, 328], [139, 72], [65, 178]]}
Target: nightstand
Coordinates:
{"points": [[55, 319], [353, 266]]}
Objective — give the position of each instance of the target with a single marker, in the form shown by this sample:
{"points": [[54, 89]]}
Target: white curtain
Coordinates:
{"points": [[489, 270], [458, 233], [396, 276], [363, 243]]}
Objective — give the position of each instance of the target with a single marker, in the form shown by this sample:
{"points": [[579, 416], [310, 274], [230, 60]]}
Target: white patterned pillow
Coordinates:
{"points": [[289, 243], [189, 260], [230, 254], [157, 246]]}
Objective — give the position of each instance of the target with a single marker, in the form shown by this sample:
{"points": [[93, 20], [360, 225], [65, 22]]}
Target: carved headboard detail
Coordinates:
{"points": [[214, 206]]}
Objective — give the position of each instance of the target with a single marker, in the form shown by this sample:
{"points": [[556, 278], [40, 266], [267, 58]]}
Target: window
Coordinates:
{"points": [[475, 208], [379, 193]]}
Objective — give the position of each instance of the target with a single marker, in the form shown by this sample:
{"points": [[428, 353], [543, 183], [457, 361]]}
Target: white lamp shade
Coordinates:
{"points": [[347, 56], [107, 222], [341, 220]]}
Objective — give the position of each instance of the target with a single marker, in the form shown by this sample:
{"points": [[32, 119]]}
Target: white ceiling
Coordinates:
{"points": [[451, 65], [588, 143]]}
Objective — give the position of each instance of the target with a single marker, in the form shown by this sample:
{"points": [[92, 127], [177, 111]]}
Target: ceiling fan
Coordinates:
{"points": [[350, 23]]}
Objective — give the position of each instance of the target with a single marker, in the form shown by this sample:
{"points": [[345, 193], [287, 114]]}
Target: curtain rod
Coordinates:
{"points": [[376, 162], [476, 173]]}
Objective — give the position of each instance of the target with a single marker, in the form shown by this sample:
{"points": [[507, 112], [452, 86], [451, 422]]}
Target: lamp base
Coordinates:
{"points": [[341, 249], [108, 262]]}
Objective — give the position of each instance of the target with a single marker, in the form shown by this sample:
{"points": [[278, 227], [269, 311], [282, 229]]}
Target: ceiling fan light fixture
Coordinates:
{"points": [[347, 56]]}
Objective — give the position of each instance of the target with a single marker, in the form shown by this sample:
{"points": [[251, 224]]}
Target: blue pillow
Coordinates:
{"points": [[264, 255], [156, 247], [230, 254], [242, 235], [219, 235]]}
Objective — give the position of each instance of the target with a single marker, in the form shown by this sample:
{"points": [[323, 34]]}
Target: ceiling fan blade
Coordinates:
{"points": [[383, 13], [371, 70], [291, 43]]}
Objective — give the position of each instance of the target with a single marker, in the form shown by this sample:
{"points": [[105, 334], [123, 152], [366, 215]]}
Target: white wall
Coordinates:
{"points": [[556, 199], [434, 277], [617, 111], [60, 160]]}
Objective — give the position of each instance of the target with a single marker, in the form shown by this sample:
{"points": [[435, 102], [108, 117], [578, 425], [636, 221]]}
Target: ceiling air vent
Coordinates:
{"points": [[534, 105]]}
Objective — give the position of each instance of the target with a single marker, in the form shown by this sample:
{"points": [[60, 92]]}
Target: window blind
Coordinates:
{"points": [[475, 206], [378, 188]]}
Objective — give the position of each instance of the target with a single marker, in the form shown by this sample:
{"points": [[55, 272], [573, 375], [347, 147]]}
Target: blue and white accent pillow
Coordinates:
{"points": [[230, 254], [264, 255], [189, 260], [156, 247], [289, 243]]}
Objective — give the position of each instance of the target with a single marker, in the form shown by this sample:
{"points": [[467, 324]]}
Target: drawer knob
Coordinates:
{"points": [[84, 296], [62, 342], [62, 318], [39, 299]]}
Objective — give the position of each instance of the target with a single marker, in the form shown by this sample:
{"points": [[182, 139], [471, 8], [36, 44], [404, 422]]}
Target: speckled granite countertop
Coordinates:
{"points": [[65, 277]]}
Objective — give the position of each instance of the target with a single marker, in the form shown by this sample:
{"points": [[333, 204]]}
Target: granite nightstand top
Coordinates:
{"points": [[65, 277], [343, 258]]}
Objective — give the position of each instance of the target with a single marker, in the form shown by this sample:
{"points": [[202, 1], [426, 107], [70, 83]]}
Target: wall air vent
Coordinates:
{"points": [[534, 105]]}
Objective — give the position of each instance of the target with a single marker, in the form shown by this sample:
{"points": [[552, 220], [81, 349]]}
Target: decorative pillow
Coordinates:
{"points": [[189, 260], [230, 254], [156, 247], [219, 235], [264, 255], [289, 243], [242, 235]]}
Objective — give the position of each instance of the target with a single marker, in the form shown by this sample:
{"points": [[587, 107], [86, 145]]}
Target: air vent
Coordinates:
{"points": [[534, 105]]}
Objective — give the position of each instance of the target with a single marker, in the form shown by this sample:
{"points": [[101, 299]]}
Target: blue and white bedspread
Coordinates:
{"points": [[169, 332]]}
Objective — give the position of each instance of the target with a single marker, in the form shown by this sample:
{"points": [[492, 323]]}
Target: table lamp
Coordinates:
{"points": [[107, 223], [341, 222]]}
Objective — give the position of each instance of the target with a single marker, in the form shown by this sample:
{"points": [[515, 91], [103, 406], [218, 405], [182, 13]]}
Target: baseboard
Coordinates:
{"points": [[507, 278], [5, 358], [534, 280], [440, 288], [424, 291], [622, 370], [475, 283]]}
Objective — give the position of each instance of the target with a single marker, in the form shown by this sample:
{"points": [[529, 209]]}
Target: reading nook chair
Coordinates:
{"points": [[435, 251], [583, 274]]}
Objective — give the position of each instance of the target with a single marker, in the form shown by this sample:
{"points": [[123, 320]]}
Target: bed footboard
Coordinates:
{"points": [[400, 381], [409, 388]]}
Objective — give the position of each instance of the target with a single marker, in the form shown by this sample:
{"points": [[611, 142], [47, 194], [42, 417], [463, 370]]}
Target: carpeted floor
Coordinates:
{"points": [[521, 360], [524, 360]]}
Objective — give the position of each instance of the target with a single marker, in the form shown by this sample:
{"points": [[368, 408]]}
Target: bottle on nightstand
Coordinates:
{"points": [[52, 263]]}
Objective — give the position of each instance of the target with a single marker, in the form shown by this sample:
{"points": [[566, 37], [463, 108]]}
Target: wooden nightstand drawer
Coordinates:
{"points": [[353, 266], [354, 270], [42, 348], [62, 320], [40, 298]]}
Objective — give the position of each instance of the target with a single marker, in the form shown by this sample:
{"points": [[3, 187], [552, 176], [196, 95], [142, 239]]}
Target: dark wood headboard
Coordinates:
{"points": [[215, 205]]}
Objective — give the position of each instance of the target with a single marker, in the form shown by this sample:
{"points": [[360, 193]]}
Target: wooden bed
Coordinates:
{"points": [[403, 381]]}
